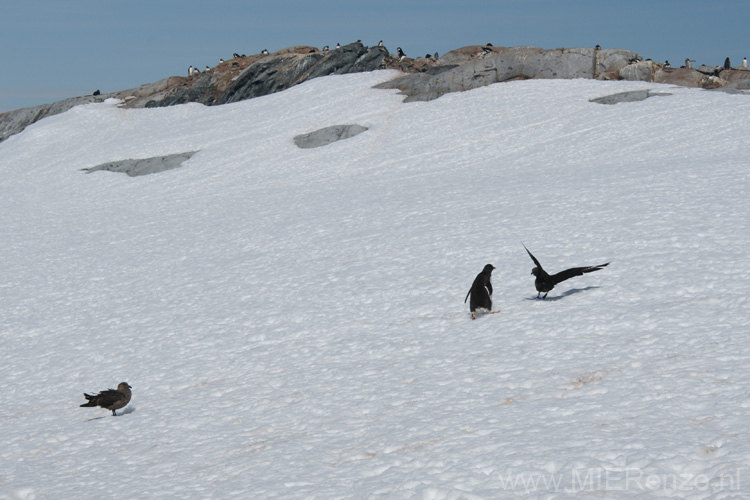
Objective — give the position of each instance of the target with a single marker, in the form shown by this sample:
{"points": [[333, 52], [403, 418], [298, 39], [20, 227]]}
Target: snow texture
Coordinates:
{"points": [[292, 320]]}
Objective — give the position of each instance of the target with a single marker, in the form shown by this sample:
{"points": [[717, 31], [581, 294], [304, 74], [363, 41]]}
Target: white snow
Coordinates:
{"points": [[292, 320]]}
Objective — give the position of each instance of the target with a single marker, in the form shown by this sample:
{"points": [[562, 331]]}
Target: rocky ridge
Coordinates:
{"points": [[423, 78]]}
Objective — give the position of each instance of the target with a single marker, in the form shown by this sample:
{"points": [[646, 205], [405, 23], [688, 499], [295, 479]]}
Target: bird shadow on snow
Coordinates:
{"points": [[570, 292], [126, 411]]}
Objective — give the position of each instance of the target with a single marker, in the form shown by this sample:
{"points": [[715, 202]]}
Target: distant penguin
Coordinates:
{"points": [[488, 45], [598, 47], [744, 63], [380, 43], [207, 68], [325, 49], [727, 64], [191, 70], [264, 52], [666, 64], [401, 54], [96, 92], [338, 45], [486, 50], [687, 64], [236, 55], [481, 292], [221, 60], [436, 56]]}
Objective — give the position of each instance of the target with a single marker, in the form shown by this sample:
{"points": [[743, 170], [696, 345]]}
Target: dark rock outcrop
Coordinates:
{"points": [[477, 66], [144, 166], [260, 74], [328, 135]]}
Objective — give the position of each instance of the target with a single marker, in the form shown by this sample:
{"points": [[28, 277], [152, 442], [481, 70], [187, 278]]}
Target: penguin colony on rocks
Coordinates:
{"points": [[401, 55]]}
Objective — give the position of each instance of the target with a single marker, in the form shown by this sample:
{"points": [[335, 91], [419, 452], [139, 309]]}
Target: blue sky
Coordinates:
{"points": [[57, 49]]}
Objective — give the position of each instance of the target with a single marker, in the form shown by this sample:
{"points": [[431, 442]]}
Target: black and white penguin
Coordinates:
{"points": [[207, 69], [727, 64], [96, 92], [325, 49], [264, 52], [744, 63], [481, 292], [221, 60], [436, 56], [191, 70], [236, 55], [687, 63], [380, 43], [338, 45], [666, 64], [401, 54], [598, 47]]}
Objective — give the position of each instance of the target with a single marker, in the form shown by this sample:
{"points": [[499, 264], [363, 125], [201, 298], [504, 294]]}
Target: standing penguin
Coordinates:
{"points": [[481, 292], [401, 54]]}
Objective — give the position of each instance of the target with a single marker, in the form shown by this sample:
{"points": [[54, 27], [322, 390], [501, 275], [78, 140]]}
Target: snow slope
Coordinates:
{"points": [[292, 321]]}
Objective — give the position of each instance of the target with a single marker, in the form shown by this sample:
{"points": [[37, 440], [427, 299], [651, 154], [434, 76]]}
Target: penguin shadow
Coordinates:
{"points": [[568, 293]]}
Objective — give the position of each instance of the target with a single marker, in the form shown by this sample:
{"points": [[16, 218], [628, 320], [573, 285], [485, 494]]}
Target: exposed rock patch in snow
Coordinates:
{"points": [[632, 96], [328, 135], [144, 166]]}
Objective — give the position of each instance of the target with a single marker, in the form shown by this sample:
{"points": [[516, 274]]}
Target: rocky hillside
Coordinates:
{"points": [[423, 78]]}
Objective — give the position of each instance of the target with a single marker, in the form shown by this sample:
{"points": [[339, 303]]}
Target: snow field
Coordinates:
{"points": [[292, 323]]}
